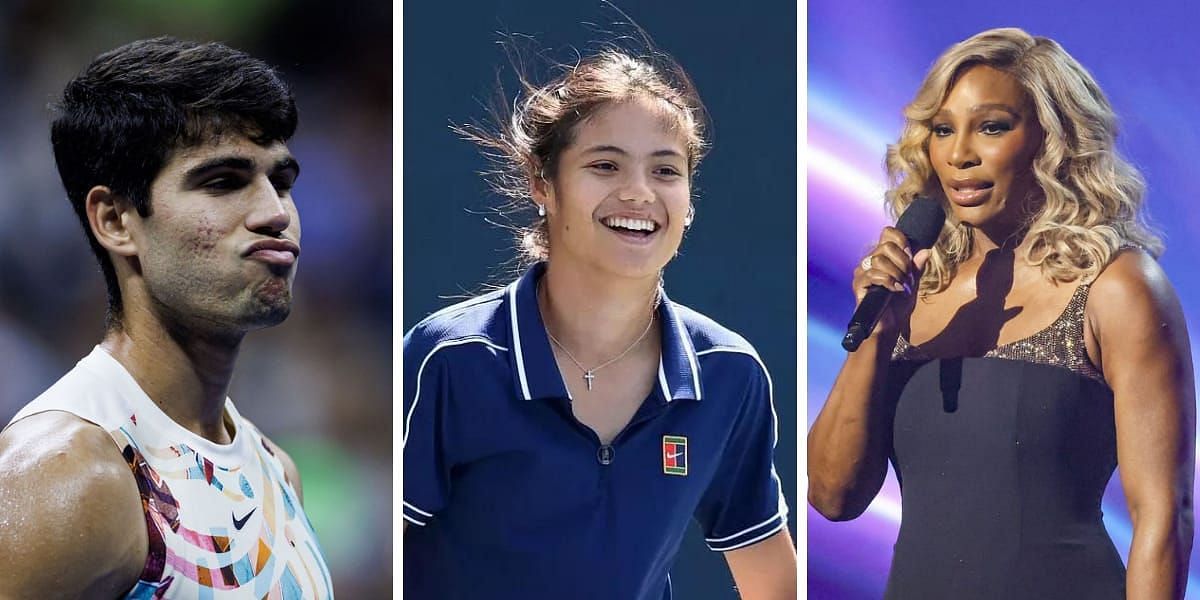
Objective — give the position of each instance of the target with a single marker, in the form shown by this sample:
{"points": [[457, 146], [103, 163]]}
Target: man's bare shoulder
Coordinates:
{"points": [[71, 523]]}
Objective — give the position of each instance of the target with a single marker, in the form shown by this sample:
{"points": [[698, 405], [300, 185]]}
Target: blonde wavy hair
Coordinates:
{"points": [[1092, 197]]}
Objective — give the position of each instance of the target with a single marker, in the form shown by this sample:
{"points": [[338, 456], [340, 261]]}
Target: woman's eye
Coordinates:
{"points": [[942, 130], [667, 172], [995, 127], [604, 166]]}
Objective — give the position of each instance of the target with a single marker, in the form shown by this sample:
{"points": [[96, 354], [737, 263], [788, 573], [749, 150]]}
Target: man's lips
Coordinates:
{"points": [[275, 252]]}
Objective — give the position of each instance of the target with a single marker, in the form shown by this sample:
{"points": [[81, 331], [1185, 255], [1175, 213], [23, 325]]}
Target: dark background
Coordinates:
{"points": [[738, 262], [319, 384]]}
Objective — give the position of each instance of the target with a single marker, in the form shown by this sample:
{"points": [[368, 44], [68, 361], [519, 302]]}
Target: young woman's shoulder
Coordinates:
{"points": [[474, 318], [707, 335], [714, 341]]}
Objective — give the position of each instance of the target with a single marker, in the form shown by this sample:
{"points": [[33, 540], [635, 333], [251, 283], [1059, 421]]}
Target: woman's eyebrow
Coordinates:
{"points": [[621, 151]]}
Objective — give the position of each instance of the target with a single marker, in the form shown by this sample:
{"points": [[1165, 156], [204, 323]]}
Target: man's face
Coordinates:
{"points": [[218, 251]]}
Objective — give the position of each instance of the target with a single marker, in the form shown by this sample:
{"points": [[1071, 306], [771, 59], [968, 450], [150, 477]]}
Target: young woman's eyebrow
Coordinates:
{"points": [[621, 151]]}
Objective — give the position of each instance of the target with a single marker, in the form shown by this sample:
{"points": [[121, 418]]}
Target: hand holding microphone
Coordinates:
{"points": [[901, 253]]}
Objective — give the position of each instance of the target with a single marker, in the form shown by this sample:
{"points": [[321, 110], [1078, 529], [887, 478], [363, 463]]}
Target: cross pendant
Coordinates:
{"points": [[589, 377]]}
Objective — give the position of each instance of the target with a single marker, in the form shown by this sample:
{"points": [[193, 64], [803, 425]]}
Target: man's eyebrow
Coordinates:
{"points": [[237, 163], [287, 163], [240, 163]]}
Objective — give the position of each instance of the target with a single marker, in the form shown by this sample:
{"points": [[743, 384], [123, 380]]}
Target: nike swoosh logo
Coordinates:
{"points": [[239, 523], [676, 455]]}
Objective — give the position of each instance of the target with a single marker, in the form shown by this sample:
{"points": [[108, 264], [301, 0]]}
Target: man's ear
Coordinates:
{"points": [[109, 215]]}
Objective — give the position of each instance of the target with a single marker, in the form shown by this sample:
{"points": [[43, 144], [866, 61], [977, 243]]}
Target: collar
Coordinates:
{"points": [[536, 372]]}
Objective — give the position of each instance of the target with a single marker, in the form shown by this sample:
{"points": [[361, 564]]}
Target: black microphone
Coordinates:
{"points": [[921, 223]]}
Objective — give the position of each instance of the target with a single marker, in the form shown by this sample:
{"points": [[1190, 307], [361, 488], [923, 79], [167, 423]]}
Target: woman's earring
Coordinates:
{"points": [[541, 210]]}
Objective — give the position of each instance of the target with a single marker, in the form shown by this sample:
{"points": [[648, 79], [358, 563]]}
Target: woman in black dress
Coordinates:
{"points": [[1040, 345]]}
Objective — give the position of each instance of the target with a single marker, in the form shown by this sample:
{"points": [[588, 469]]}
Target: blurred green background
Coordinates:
{"points": [[320, 384]]}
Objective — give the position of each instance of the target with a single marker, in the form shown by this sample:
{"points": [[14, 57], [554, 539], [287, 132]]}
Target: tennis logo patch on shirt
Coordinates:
{"points": [[675, 460]]}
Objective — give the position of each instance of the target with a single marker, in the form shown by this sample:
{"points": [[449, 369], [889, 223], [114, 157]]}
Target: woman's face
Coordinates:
{"points": [[619, 199], [982, 147]]}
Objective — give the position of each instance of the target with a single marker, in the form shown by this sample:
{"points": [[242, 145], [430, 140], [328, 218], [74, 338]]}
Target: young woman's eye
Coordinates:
{"points": [[667, 172], [995, 127], [942, 130], [603, 166]]}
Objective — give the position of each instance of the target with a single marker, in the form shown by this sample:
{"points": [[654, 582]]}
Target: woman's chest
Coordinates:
{"points": [[965, 321], [606, 401]]}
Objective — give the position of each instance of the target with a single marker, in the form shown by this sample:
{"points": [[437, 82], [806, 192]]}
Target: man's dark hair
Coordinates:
{"points": [[121, 119]]}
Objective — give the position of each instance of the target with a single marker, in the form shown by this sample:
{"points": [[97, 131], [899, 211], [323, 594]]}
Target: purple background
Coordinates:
{"points": [[865, 62]]}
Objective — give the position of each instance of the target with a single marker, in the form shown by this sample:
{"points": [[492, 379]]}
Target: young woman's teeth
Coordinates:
{"points": [[630, 224]]}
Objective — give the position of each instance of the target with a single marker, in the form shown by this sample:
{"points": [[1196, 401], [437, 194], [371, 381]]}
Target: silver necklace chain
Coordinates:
{"points": [[590, 374]]}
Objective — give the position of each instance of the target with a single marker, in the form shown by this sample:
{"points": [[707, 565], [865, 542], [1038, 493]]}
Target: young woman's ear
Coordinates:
{"points": [[542, 191]]}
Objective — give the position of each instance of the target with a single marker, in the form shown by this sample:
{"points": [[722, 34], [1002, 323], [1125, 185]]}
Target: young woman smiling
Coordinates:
{"points": [[562, 432], [1040, 346]]}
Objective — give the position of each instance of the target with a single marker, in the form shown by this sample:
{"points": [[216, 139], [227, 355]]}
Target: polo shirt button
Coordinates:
{"points": [[605, 454]]}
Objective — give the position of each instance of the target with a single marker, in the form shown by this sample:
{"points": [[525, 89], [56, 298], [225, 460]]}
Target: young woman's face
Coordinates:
{"points": [[982, 147], [619, 199]]}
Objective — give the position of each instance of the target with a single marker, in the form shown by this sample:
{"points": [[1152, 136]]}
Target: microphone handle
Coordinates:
{"points": [[866, 316]]}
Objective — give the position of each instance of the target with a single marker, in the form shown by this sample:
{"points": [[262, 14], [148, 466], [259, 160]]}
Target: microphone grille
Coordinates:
{"points": [[922, 222]]}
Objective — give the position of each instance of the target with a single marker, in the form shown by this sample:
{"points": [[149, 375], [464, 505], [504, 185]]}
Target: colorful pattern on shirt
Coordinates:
{"points": [[222, 520], [223, 558]]}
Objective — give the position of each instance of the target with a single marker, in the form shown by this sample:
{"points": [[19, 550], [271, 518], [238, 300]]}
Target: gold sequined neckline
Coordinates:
{"points": [[1059, 344]]}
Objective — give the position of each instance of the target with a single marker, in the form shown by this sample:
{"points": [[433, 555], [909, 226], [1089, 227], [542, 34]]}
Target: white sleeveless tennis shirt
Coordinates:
{"points": [[223, 520]]}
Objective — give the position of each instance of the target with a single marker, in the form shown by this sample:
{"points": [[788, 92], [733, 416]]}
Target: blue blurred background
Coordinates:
{"points": [[320, 384], [738, 263], [865, 62]]}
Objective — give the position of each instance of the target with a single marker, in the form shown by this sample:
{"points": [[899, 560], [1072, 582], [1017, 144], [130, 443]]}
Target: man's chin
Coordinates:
{"points": [[269, 315], [271, 303], [266, 308]]}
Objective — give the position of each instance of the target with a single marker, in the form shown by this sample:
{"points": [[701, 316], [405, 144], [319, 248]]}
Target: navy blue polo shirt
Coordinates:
{"points": [[508, 495]]}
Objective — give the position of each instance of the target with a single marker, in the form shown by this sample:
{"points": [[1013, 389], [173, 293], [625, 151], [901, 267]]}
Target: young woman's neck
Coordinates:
{"points": [[595, 318]]}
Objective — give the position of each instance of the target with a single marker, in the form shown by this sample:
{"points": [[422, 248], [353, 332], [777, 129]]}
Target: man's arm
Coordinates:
{"points": [[71, 525], [765, 570]]}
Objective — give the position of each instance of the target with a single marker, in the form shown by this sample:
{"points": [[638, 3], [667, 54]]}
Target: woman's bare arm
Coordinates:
{"points": [[1145, 356], [849, 440]]}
